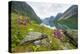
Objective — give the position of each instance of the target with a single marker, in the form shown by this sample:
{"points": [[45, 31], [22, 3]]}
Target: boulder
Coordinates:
{"points": [[32, 37]]}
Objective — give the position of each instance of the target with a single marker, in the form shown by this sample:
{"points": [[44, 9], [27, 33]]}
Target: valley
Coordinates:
{"points": [[26, 23]]}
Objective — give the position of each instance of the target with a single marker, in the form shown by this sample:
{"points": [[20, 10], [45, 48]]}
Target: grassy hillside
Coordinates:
{"points": [[18, 32]]}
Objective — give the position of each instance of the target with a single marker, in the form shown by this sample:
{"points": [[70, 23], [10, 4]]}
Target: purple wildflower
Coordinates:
{"points": [[58, 34]]}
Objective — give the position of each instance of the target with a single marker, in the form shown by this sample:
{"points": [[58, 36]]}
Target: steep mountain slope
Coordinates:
{"points": [[22, 8], [58, 16], [69, 19]]}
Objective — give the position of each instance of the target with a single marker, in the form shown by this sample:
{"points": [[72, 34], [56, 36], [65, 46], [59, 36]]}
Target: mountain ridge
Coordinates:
{"points": [[22, 8]]}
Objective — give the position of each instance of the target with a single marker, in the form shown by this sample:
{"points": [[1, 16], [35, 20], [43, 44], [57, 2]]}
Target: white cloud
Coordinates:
{"points": [[44, 10]]}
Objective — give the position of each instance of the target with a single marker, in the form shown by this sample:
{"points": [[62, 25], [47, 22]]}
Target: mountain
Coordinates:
{"points": [[58, 16], [46, 21], [49, 20], [69, 19], [22, 8], [73, 10], [66, 20]]}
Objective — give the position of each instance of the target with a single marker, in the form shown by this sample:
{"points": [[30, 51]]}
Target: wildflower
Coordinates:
{"points": [[58, 34]]}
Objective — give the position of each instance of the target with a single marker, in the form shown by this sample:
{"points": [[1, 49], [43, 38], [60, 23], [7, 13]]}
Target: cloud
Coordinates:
{"points": [[44, 10]]}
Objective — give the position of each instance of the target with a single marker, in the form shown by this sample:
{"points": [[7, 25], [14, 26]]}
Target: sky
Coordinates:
{"points": [[44, 10]]}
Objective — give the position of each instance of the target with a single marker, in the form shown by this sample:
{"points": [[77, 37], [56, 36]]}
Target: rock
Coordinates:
{"points": [[37, 43], [33, 36], [46, 42]]}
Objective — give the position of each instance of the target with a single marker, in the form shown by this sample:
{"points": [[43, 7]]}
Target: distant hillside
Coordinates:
{"points": [[49, 21], [58, 16], [22, 8]]}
